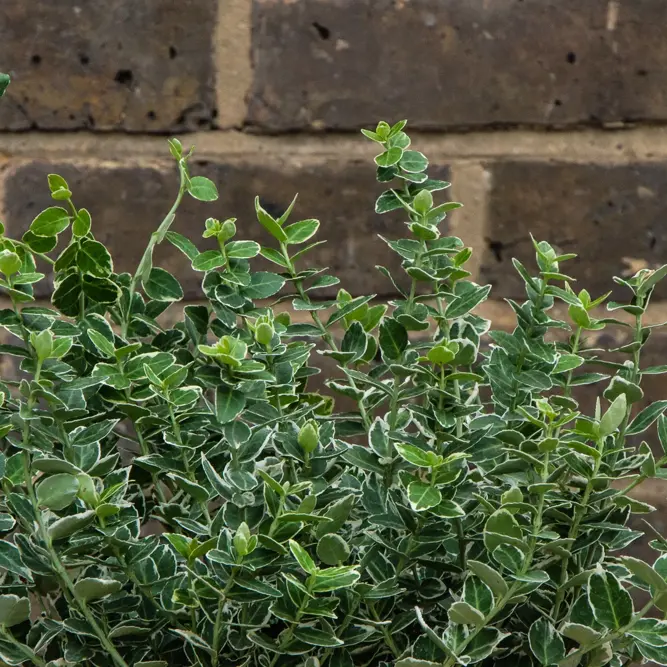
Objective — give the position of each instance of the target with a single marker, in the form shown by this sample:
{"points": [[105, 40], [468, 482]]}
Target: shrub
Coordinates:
{"points": [[462, 512]]}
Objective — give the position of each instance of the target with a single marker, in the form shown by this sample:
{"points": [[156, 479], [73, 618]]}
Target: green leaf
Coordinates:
{"points": [[416, 456], [423, 496], [228, 404], [645, 572], [301, 555], [300, 232], [646, 417], [202, 188], [242, 249], [545, 643], [467, 296], [448, 509], [650, 631], [390, 157], [13, 610], [655, 654], [82, 223], [465, 614], [263, 285], [162, 286], [509, 556], [70, 524], [187, 247], [502, 528], [315, 637], [413, 162], [93, 433], [568, 362], [94, 258], [91, 588], [57, 491], [67, 295], [10, 559], [653, 279], [332, 549], [50, 222], [615, 415], [207, 261], [393, 339], [610, 602], [4, 83], [387, 201], [102, 343], [335, 578], [489, 576], [269, 223], [478, 595], [581, 634], [198, 492]]}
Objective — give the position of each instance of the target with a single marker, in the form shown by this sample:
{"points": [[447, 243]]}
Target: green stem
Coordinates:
{"points": [[6, 634], [290, 631], [186, 463], [500, 605], [573, 533], [156, 238], [575, 348], [572, 658], [326, 335], [389, 640], [61, 572], [217, 629]]}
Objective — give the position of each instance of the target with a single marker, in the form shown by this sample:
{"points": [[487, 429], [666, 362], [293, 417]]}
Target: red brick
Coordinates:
{"points": [[342, 64], [131, 65]]}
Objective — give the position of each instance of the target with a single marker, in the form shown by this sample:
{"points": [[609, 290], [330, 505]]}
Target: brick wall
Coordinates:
{"points": [[547, 115]]}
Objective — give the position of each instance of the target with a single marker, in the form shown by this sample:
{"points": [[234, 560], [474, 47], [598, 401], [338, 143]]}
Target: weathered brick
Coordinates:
{"points": [[612, 216], [457, 63], [127, 203], [133, 65]]}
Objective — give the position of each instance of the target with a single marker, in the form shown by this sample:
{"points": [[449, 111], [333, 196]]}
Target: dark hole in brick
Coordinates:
{"points": [[172, 52], [642, 72], [610, 204], [151, 115], [558, 103], [36, 59], [497, 247], [652, 242], [571, 57], [124, 77], [84, 59], [322, 30]]}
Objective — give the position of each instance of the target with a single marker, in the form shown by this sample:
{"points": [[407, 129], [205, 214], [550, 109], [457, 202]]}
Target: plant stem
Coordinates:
{"points": [[573, 533], [328, 338], [156, 238], [218, 619], [6, 634], [60, 570], [188, 471], [610, 636], [499, 606], [389, 640]]}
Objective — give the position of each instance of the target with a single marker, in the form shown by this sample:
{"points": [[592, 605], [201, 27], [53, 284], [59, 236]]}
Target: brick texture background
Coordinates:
{"points": [[548, 116]]}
